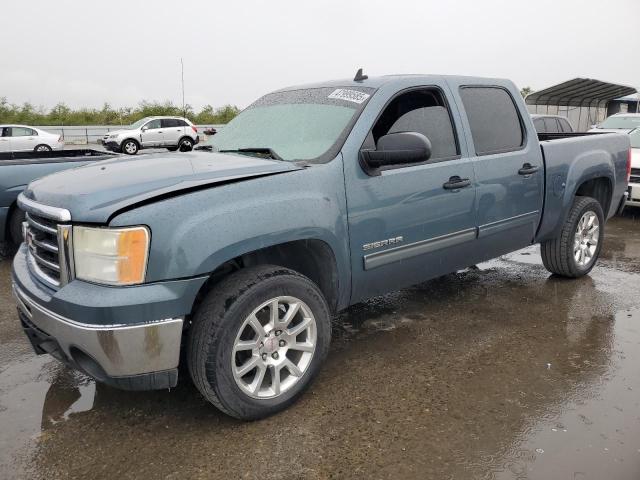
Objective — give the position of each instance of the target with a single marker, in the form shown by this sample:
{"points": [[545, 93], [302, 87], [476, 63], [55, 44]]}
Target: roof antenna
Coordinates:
{"points": [[360, 76]]}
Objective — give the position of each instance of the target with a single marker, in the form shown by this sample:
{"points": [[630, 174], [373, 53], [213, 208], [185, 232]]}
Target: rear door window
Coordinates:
{"points": [[495, 123], [551, 125], [170, 122], [20, 132]]}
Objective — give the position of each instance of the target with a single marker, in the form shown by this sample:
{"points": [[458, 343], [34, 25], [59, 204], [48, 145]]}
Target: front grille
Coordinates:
{"points": [[635, 175], [44, 254], [47, 233]]}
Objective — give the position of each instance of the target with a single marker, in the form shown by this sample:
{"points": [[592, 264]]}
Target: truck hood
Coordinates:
{"points": [[93, 193]]}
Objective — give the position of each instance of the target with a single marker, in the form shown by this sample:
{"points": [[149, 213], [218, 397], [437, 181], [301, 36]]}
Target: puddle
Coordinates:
{"points": [[498, 371]]}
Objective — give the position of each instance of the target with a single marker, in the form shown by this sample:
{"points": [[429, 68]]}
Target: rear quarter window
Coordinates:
{"points": [[494, 120]]}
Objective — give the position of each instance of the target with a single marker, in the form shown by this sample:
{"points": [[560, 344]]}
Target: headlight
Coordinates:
{"points": [[113, 136], [114, 256]]}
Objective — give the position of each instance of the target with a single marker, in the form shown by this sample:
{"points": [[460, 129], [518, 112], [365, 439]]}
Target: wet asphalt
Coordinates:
{"points": [[500, 371]]}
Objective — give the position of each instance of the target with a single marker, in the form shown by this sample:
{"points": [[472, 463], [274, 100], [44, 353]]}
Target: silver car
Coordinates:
{"points": [[172, 133]]}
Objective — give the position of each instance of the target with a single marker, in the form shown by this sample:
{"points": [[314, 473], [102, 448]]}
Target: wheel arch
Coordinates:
{"points": [[313, 258], [131, 138], [599, 188]]}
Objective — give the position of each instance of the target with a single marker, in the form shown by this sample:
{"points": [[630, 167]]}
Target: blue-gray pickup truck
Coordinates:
{"points": [[17, 169], [312, 199]]}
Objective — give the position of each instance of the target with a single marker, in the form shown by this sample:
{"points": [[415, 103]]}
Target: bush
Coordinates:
{"points": [[61, 114]]}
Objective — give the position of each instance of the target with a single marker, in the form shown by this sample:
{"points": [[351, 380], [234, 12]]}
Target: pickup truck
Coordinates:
{"points": [[312, 199], [17, 169]]}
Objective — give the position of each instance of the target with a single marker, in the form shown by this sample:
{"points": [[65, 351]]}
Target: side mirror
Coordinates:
{"points": [[398, 149], [144, 129]]}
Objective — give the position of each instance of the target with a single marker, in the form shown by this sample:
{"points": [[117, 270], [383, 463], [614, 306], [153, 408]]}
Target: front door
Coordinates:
{"points": [[411, 223], [508, 165], [152, 134], [5, 139]]}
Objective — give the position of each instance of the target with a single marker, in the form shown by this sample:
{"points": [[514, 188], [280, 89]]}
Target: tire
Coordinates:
{"points": [[15, 226], [219, 323], [185, 144], [129, 147], [558, 254], [42, 148]]}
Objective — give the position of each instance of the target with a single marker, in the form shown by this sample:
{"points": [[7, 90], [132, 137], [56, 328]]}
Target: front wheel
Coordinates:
{"points": [[575, 251], [258, 340], [130, 147]]}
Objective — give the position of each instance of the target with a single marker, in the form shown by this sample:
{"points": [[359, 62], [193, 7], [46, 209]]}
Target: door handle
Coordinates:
{"points": [[528, 169], [456, 182]]}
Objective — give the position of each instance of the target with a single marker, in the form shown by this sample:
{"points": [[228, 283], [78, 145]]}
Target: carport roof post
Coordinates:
{"points": [[579, 92]]}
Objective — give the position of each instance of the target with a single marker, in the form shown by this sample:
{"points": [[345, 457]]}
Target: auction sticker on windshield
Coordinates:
{"points": [[349, 95]]}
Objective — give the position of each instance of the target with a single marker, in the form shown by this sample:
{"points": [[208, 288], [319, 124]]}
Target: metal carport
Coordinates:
{"points": [[576, 96]]}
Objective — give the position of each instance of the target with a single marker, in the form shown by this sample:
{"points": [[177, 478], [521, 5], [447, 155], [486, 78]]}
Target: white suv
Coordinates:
{"points": [[172, 133]]}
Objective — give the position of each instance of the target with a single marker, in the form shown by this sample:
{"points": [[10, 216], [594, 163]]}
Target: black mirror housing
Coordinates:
{"points": [[398, 149]]}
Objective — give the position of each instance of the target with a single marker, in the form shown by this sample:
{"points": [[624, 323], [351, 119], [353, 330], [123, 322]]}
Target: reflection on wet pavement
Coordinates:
{"points": [[499, 371]]}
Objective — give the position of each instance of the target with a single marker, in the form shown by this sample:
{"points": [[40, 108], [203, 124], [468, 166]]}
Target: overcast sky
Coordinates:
{"points": [[85, 53]]}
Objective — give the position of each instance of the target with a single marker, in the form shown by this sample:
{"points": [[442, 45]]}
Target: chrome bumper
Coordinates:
{"points": [[119, 350]]}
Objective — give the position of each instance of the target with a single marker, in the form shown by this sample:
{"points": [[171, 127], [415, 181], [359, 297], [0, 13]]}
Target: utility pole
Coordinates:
{"points": [[184, 113]]}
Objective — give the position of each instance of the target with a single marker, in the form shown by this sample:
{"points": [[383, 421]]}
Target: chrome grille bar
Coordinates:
{"points": [[49, 241], [40, 226]]}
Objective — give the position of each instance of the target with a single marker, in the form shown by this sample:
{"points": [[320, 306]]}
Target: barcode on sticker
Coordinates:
{"points": [[349, 95]]}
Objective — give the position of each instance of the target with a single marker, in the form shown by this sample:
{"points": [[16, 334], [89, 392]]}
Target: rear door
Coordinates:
{"points": [[172, 130], [508, 166], [23, 139], [151, 135]]}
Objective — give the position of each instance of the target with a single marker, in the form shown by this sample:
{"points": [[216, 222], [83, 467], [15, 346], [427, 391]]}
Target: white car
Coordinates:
{"points": [[633, 198], [172, 133], [619, 123], [21, 138]]}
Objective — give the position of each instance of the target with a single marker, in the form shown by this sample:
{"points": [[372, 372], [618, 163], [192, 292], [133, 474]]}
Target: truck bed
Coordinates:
{"points": [[81, 155], [571, 156]]}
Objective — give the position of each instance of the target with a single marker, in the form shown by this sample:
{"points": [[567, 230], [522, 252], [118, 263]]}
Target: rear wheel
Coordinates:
{"points": [[130, 147], [185, 144], [42, 148], [258, 340], [575, 251]]}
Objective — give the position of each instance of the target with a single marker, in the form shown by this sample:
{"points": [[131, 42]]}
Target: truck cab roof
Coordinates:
{"points": [[400, 79]]}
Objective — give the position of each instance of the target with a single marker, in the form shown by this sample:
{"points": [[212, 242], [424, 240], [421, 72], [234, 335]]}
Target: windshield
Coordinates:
{"points": [[295, 125], [139, 123], [635, 138], [621, 122]]}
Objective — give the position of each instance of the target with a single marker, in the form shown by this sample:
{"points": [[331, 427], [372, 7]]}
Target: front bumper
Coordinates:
{"points": [[139, 357], [111, 145], [127, 337]]}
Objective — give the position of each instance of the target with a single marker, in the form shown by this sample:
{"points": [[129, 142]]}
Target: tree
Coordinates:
{"points": [[526, 91]]}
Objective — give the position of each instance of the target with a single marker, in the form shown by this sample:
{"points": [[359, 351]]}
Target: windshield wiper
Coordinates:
{"points": [[259, 150]]}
